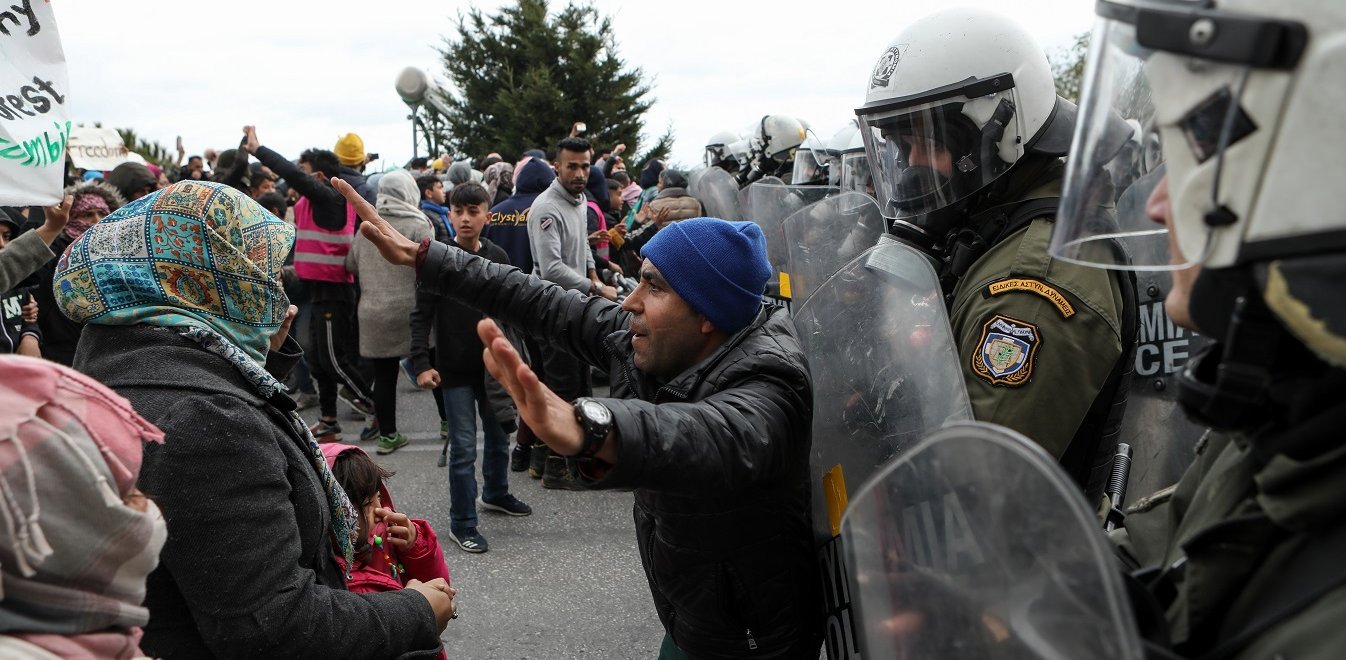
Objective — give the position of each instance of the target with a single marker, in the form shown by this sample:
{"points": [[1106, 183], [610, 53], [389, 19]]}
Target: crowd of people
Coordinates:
{"points": [[162, 494]]}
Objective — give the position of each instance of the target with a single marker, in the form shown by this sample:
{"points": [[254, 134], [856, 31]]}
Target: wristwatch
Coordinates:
{"points": [[596, 421]]}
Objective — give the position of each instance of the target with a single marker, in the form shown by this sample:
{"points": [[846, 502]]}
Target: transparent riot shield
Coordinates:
{"points": [[885, 373], [771, 204], [1162, 438], [975, 545], [717, 190], [825, 235]]}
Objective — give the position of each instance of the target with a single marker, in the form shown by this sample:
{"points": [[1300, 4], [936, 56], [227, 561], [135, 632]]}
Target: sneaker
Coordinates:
{"points": [[371, 430], [391, 443], [470, 540], [508, 505], [558, 476], [325, 431], [305, 400], [360, 405], [518, 458]]}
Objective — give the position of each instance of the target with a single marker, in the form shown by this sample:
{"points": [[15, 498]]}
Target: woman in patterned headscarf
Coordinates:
{"points": [[186, 318]]}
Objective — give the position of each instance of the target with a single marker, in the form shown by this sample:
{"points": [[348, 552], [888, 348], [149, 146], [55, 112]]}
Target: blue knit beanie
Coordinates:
{"points": [[719, 267]]}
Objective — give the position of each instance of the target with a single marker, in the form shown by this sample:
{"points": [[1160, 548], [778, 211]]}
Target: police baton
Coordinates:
{"points": [[1116, 488]]}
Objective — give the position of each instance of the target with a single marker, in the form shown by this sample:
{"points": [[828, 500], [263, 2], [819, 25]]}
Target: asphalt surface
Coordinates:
{"points": [[565, 582]]}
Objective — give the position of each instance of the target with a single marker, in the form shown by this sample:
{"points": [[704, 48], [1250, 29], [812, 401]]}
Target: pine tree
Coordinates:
{"points": [[1068, 67], [523, 77]]}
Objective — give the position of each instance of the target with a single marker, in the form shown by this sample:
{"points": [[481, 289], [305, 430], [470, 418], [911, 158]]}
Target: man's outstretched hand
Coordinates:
{"points": [[551, 418], [394, 247]]}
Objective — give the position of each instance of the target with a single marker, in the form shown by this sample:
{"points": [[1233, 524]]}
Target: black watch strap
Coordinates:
{"points": [[595, 430]]}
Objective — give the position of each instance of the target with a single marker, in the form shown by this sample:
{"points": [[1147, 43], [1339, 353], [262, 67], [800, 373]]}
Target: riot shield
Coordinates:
{"points": [[975, 545], [885, 373], [825, 235], [1162, 438], [718, 192], [771, 204]]}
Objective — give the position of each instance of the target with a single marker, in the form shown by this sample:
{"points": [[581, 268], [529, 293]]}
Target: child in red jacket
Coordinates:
{"points": [[390, 548]]}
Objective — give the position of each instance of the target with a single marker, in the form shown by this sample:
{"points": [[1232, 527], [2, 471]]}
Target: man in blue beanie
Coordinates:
{"points": [[708, 421]]}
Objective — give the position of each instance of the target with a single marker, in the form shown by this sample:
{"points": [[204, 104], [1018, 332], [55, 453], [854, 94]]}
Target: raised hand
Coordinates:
{"points": [[57, 216], [392, 245], [551, 418]]}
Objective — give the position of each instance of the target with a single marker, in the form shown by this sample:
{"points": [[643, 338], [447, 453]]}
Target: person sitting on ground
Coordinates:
{"points": [[197, 341], [81, 538], [458, 372], [709, 421], [387, 296], [390, 548]]}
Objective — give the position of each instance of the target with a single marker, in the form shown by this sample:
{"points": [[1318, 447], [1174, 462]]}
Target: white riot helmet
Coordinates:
{"points": [[776, 138], [840, 141], [716, 147], [954, 101], [1245, 97], [856, 174], [811, 164]]}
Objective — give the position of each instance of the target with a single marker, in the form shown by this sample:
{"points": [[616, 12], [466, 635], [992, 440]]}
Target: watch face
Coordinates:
{"points": [[596, 412]]}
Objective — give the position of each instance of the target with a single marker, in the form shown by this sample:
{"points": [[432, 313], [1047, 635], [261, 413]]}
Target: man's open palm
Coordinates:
{"points": [[551, 418]]}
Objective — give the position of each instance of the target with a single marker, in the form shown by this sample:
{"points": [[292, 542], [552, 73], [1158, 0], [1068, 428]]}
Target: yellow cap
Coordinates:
{"points": [[350, 150]]}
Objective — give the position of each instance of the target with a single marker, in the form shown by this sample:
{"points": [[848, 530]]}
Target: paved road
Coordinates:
{"points": [[564, 582]]}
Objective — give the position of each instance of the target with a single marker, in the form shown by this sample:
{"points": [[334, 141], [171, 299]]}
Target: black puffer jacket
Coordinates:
{"points": [[718, 457]]}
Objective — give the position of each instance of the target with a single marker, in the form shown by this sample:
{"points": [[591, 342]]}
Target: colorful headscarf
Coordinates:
{"points": [[73, 556], [195, 254], [85, 202], [202, 259]]}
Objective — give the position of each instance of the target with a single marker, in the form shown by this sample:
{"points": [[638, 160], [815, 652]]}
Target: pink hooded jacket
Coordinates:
{"points": [[371, 573]]}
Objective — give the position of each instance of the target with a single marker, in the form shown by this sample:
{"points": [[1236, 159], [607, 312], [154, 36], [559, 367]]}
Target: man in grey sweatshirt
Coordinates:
{"points": [[558, 238]]}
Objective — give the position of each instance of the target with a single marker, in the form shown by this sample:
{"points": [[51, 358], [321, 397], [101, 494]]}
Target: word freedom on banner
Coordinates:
{"points": [[34, 117]]}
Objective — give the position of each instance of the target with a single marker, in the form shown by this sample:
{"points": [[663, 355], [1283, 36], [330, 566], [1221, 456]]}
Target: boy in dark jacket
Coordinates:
{"points": [[461, 375], [509, 219]]}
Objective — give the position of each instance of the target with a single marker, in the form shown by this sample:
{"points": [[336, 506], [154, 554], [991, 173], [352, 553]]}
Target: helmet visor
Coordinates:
{"points": [[932, 156], [855, 173], [807, 168], [1116, 160]]}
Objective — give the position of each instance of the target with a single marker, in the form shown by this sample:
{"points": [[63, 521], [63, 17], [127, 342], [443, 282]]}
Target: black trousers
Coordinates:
{"points": [[335, 359]]}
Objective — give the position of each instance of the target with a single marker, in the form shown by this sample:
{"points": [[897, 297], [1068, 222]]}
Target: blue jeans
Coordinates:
{"points": [[463, 404]]}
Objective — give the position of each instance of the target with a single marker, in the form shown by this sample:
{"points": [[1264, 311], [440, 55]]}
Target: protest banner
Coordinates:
{"points": [[34, 113]]}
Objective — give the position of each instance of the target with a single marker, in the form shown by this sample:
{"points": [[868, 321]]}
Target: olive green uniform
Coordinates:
{"points": [[1037, 337], [1228, 536]]}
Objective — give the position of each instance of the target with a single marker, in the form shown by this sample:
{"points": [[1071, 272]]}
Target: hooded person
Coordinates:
{"points": [[499, 181], [387, 295], [509, 219], [186, 317], [91, 202], [232, 170], [649, 179], [81, 539], [459, 172], [133, 180]]}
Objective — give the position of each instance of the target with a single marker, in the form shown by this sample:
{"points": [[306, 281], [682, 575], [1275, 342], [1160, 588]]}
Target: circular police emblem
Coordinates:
{"points": [[887, 64]]}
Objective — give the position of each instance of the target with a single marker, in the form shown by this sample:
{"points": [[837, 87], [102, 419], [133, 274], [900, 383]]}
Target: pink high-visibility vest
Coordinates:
{"points": [[320, 254]]}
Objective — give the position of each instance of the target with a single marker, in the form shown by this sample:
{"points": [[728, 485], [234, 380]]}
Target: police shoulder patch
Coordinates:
{"points": [[1006, 352], [1034, 286]]}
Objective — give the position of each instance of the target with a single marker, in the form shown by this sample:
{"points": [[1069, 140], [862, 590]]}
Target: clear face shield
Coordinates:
{"points": [[1135, 102], [932, 154], [855, 173], [807, 168], [714, 154]]}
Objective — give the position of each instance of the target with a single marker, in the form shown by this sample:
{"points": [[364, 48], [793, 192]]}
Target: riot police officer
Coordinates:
{"points": [[1242, 559], [964, 133]]}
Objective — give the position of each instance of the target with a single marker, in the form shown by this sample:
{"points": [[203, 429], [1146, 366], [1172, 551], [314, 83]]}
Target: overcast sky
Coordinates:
{"points": [[307, 72]]}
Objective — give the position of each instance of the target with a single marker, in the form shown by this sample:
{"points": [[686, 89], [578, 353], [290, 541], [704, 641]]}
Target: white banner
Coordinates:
{"points": [[97, 148], [34, 115]]}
